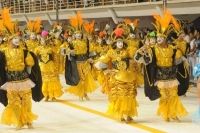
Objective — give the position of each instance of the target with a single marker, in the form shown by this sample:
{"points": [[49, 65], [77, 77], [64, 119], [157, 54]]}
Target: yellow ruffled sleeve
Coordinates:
{"points": [[105, 59], [29, 60], [178, 54]]}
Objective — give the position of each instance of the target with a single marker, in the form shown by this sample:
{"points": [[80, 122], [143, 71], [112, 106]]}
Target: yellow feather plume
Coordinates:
{"points": [[1, 27], [79, 18], [177, 25], [135, 22], [38, 25], [127, 21], [7, 21], [162, 22], [89, 27], [34, 26], [76, 21]]}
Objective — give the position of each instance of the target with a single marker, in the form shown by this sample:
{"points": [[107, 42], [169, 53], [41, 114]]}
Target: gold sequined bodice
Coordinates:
{"points": [[15, 59], [31, 45], [118, 58], [44, 53], [3, 46], [181, 45], [164, 56], [80, 47]]}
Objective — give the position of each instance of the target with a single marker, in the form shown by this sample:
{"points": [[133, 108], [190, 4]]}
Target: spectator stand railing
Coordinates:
{"points": [[29, 6]]}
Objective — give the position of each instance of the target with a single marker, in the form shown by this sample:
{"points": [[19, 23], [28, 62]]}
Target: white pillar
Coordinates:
{"points": [[113, 15], [49, 18], [26, 18]]}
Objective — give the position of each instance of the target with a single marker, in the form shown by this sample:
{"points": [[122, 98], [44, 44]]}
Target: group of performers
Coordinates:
{"points": [[116, 61]]}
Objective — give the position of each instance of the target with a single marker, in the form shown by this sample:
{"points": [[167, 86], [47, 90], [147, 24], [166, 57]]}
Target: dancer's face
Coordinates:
{"points": [[160, 39], [69, 39], [99, 41], [132, 35], [120, 44], [16, 41], [32, 36], [152, 40], [78, 36], [181, 36]]}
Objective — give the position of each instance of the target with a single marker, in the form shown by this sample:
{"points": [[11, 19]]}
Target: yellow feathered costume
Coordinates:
{"points": [[80, 47]]}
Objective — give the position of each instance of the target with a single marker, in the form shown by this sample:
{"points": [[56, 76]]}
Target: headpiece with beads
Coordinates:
{"points": [[163, 24], [8, 27]]}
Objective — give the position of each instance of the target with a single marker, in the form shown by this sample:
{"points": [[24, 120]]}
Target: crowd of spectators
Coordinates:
{"points": [[37, 5]]}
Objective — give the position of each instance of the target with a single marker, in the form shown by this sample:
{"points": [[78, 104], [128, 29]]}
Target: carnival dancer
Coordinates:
{"points": [[183, 47], [130, 27], [161, 70], [77, 69], [51, 86], [19, 73], [122, 83], [57, 44]]}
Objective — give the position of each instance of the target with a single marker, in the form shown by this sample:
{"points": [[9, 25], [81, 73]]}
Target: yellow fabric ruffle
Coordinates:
{"points": [[170, 105], [122, 98], [52, 88], [100, 77], [103, 80], [167, 83], [94, 73], [18, 111], [16, 116], [123, 106], [84, 86]]}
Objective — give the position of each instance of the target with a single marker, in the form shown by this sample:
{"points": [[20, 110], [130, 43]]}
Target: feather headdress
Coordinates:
{"points": [[102, 34], [129, 26], [163, 23], [8, 26], [77, 22], [56, 30], [34, 26], [177, 26], [1, 27], [89, 27], [132, 23], [118, 34]]}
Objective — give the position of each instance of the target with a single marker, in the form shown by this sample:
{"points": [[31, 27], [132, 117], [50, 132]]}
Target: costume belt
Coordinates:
{"points": [[166, 73], [16, 75], [81, 57], [115, 63]]}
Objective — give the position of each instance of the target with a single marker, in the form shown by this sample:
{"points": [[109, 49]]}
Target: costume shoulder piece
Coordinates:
{"points": [[3, 97], [150, 89], [71, 72], [183, 78]]}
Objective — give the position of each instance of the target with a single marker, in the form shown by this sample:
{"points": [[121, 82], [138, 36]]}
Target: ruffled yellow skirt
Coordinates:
{"points": [[86, 84], [122, 99], [170, 106], [123, 106], [100, 77], [105, 83], [18, 111], [52, 88], [137, 70]]}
